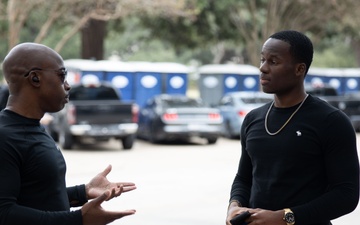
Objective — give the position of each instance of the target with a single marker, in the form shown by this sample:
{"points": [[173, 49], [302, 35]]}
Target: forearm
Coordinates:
{"points": [[331, 205], [241, 187], [19, 215], [77, 195]]}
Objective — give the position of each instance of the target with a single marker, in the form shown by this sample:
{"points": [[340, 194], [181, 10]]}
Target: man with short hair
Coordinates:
{"points": [[299, 162]]}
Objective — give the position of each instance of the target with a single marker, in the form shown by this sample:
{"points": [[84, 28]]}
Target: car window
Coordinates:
{"points": [[255, 100], [322, 91], [93, 93], [226, 100], [181, 103]]}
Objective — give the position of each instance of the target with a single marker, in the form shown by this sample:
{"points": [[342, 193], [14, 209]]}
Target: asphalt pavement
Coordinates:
{"points": [[177, 184]]}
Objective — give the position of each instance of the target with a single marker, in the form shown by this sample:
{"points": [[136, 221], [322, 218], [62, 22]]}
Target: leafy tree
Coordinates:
{"points": [[239, 28], [37, 18], [211, 31], [257, 19], [210, 28]]}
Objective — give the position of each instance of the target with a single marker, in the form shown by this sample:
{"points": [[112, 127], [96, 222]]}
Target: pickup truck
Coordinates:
{"points": [[349, 103], [95, 112]]}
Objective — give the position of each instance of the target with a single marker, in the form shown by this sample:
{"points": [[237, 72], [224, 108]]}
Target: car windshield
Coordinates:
{"points": [[255, 100], [180, 103], [322, 91], [93, 93]]}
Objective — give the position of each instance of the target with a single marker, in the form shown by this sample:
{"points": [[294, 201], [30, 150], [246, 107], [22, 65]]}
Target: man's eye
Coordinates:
{"points": [[63, 74], [64, 71]]}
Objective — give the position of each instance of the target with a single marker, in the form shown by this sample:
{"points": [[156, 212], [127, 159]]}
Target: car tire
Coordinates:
{"points": [[128, 142], [228, 132], [152, 135], [152, 138], [212, 141], [66, 140], [54, 135]]}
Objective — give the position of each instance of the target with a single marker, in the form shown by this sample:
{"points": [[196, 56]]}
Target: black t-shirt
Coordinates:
{"points": [[32, 171], [311, 166]]}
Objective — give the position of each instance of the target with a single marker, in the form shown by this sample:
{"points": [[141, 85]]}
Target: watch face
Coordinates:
{"points": [[289, 217]]}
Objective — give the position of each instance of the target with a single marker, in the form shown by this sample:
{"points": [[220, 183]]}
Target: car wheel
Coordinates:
{"points": [[128, 142], [152, 138], [152, 135], [54, 135], [51, 131], [228, 132], [212, 141], [66, 140]]}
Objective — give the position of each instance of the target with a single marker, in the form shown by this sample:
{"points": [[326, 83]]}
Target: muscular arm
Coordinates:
{"points": [[342, 167], [241, 187], [77, 195], [14, 214], [29, 211]]}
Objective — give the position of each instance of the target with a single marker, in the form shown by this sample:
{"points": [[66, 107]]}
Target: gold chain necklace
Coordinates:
{"points": [[267, 115]]}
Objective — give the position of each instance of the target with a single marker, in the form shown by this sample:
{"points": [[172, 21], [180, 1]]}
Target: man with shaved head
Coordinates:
{"points": [[32, 169]]}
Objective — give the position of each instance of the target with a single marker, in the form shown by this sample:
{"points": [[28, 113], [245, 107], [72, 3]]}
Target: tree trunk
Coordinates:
{"points": [[93, 35], [356, 46]]}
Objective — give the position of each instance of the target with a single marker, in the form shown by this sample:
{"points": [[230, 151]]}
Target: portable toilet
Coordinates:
{"points": [[321, 76], [315, 76], [158, 78], [174, 77], [121, 75], [80, 68], [218, 79], [351, 80]]}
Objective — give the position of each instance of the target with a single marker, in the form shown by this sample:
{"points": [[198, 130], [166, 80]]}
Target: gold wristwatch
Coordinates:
{"points": [[289, 217]]}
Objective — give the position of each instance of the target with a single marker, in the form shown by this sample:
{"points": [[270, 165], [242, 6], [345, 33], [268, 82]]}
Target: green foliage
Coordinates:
{"points": [[211, 25], [334, 51], [159, 38], [337, 56], [72, 49]]}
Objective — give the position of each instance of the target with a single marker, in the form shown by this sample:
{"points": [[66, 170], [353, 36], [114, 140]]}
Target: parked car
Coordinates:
{"points": [[95, 112], [174, 117], [349, 103], [234, 106]]}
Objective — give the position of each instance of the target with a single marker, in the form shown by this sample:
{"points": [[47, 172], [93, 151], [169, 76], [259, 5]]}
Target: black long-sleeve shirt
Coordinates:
{"points": [[311, 166], [32, 172]]}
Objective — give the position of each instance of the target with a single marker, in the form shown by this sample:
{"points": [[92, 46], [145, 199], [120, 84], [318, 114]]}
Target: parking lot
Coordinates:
{"points": [[177, 184]]}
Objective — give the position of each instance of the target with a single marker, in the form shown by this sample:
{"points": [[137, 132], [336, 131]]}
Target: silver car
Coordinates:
{"points": [[234, 106]]}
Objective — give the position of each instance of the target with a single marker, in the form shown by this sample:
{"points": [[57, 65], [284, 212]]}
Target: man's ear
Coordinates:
{"points": [[300, 69], [34, 78]]}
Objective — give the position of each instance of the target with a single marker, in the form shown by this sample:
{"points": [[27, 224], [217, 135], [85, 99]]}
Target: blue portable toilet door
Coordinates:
{"points": [[92, 76], [314, 80], [124, 81], [176, 83], [351, 80], [231, 83], [335, 82], [351, 84], [146, 85], [249, 82], [329, 76]]}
